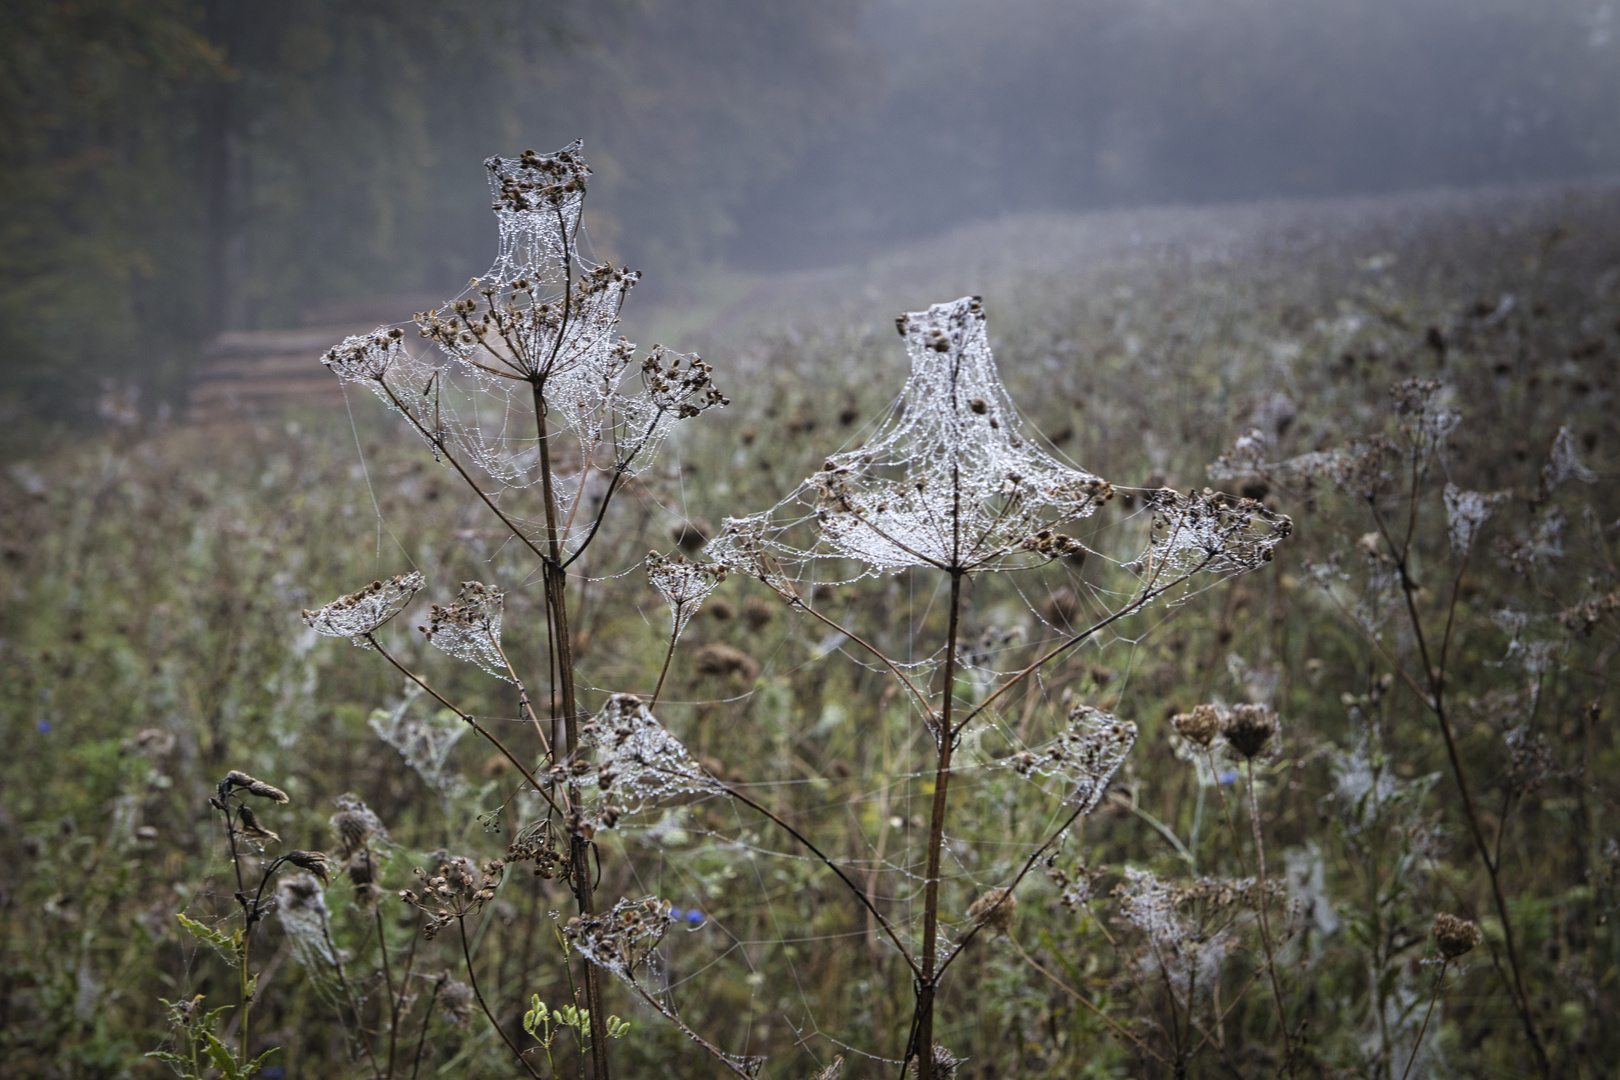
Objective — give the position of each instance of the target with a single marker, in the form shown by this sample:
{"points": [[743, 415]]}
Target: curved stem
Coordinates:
{"points": [[1428, 1012], [472, 979]]}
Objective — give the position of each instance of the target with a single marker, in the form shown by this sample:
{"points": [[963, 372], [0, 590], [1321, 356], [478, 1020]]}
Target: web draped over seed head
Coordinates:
{"points": [[1084, 755], [636, 761], [360, 613], [951, 481], [684, 586], [624, 941], [537, 331], [470, 628]]}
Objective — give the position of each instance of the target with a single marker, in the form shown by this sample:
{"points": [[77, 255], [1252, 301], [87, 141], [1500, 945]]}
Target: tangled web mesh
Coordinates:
{"points": [[952, 481], [424, 742], [624, 941], [1208, 532], [1466, 514], [684, 585], [360, 613], [637, 762], [536, 333], [1084, 755], [470, 628]]}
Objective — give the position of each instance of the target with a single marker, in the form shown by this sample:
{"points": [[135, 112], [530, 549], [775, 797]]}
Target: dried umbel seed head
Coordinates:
{"points": [[1199, 727], [994, 910], [1454, 936], [236, 779], [1249, 730]]}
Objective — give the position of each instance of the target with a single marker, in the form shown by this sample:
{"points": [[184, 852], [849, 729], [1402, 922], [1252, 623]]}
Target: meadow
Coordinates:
{"points": [[1367, 817]]}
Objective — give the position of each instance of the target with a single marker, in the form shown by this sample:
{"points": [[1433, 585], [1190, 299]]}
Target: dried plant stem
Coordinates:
{"points": [[1265, 920], [472, 979], [1097, 1011], [467, 719], [922, 1044], [556, 581], [427, 1015], [1427, 1013], [1434, 698], [669, 654]]}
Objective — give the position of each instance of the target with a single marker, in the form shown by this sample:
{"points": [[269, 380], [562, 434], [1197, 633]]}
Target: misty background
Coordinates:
{"points": [[170, 170]]}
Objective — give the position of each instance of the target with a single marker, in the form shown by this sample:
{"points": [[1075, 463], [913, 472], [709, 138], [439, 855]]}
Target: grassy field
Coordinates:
{"points": [[1413, 649]]}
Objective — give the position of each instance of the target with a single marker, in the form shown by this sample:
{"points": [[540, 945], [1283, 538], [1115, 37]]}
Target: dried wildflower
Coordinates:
{"points": [[361, 869], [236, 779], [1201, 726], [456, 1002], [1466, 514], [1532, 759], [248, 824], [313, 861], [354, 825], [945, 1064], [945, 483], [757, 614], [301, 910], [1586, 615], [994, 909], [1563, 463], [637, 761], [1086, 754], [1420, 404], [1249, 730], [456, 889], [360, 613], [470, 628], [624, 940], [683, 585], [721, 661], [833, 1070], [1456, 937], [1209, 532]]}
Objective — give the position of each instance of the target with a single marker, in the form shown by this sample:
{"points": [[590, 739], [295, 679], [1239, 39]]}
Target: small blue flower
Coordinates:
{"points": [[1227, 778], [694, 918], [676, 914], [43, 726], [272, 1072]]}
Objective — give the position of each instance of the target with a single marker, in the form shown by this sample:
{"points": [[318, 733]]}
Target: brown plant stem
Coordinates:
{"points": [[1435, 700], [1428, 1012], [556, 581], [1265, 920], [472, 979], [928, 982]]}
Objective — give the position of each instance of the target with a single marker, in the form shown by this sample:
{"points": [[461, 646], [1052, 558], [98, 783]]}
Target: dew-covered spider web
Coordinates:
{"points": [[530, 352]]}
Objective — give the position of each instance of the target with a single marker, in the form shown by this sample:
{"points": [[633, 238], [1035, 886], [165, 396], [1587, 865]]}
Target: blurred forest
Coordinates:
{"points": [[170, 169]]}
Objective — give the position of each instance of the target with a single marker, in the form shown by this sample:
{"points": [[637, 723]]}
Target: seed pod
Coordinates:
{"points": [[1454, 936]]}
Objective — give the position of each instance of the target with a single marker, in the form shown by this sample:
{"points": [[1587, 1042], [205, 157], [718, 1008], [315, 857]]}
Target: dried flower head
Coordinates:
{"points": [[637, 761], [1086, 754], [354, 825], [1201, 726], [995, 909], [470, 628], [301, 910], [1455, 936], [236, 779], [457, 888], [359, 614], [624, 940], [683, 585], [456, 1002], [247, 823], [1249, 730]]}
